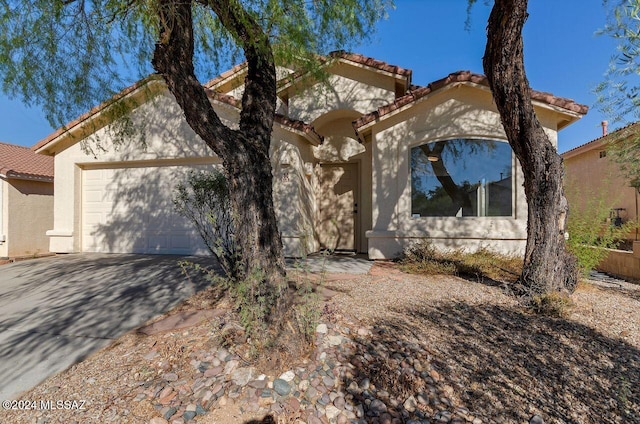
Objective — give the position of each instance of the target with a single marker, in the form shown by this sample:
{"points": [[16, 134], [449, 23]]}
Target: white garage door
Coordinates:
{"points": [[130, 210]]}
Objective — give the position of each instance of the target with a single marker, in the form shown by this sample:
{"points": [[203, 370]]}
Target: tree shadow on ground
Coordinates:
{"points": [[268, 419], [496, 363], [56, 311]]}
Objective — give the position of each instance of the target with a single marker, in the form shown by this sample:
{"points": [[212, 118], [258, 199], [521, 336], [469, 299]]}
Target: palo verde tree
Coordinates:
{"points": [[548, 266], [67, 55]]}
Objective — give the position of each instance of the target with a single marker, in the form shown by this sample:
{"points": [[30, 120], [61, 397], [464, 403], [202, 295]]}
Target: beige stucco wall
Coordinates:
{"points": [[461, 111], [341, 146], [168, 141], [294, 192], [28, 214], [622, 263], [588, 178], [348, 88], [4, 211]]}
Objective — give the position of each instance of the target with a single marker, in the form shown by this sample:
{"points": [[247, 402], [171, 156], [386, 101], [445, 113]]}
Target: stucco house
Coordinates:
{"points": [[590, 173], [364, 161], [26, 201]]}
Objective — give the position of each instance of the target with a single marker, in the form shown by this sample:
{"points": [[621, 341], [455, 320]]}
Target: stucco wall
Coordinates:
{"points": [[30, 215], [294, 192], [168, 141], [348, 89], [4, 211], [589, 178], [461, 111], [622, 263]]}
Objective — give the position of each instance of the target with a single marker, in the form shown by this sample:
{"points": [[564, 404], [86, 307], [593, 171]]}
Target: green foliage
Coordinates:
{"points": [[423, 258], [204, 200], [618, 95], [623, 147], [306, 311], [69, 55], [590, 232]]}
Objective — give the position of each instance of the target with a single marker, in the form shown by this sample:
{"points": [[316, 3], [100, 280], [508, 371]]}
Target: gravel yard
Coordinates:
{"points": [[393, 347]]}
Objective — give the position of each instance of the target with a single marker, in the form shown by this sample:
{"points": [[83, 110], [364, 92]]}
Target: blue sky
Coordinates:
{"points": [[562, 56]]}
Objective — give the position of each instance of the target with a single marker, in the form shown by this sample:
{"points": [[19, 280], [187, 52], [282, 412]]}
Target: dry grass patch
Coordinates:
{"points": [[424, 258]]}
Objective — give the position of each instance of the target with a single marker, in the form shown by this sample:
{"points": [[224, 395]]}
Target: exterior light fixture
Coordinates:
{"points": [[433, 158]]}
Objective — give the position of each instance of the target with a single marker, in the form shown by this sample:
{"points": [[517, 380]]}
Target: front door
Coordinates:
{"points": [[338, 206]]}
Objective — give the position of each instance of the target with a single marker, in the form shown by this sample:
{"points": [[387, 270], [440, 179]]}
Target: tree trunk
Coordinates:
{"points": [[244, 152], [547, 264], [459, 197]]}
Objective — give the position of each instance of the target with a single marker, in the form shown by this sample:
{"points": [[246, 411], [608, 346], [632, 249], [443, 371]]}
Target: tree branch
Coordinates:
{"points": [[259, 98], [173, 58]]}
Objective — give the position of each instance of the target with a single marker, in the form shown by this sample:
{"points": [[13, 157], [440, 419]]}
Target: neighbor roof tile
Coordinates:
{"points": [[22, 162]]}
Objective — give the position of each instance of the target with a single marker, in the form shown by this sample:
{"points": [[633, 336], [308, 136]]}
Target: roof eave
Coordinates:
{"points": [[569, 114], [77, 127], [600, 142], [594, 144], [10, 175]]}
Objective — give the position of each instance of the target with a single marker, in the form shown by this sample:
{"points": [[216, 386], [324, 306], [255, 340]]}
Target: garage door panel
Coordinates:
{"points": [[130, 210]]}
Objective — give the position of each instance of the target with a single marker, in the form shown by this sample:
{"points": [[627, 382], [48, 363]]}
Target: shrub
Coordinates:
{"points": [[204, 200], [590, 232]]}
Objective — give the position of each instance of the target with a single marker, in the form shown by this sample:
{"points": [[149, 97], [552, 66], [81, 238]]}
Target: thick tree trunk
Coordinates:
{"points": [[244, 152], [547, 264], [458, 197]]}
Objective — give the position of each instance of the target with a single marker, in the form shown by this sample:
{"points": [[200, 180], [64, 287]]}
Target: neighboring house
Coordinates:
{"points": [[591, 174], [26, 201], [363, 162]]}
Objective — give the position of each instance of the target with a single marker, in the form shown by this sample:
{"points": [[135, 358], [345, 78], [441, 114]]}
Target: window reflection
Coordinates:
{"points": [[461, 177]]}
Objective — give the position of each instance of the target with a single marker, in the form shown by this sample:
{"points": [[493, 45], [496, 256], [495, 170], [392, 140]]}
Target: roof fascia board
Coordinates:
{"points": [[236, 72], [574, 116], [617, 135], [373, 69], [599, 143], [25, 177], [95, 118], [332, 61], [408, 106]]}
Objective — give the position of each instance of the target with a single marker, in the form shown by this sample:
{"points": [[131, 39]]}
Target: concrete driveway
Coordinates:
{"points": [[55, 311]]}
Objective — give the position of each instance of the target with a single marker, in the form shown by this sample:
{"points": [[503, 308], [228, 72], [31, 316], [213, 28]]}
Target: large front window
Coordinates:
{"points": [[461, 177]]}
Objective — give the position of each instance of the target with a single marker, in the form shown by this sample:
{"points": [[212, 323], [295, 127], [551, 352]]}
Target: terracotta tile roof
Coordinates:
{"points": [[350, 57], [371, 62], [97, 109], [279, 118], [21, 162], [338, 54], [462, 76], [600, 141]]}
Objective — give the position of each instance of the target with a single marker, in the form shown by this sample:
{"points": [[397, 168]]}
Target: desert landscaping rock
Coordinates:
{"points": [[358, 372], [281, 387]]}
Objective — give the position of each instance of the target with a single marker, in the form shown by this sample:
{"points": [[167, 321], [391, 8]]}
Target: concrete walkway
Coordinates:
{"points": [[337, 263], [55, 311]]}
